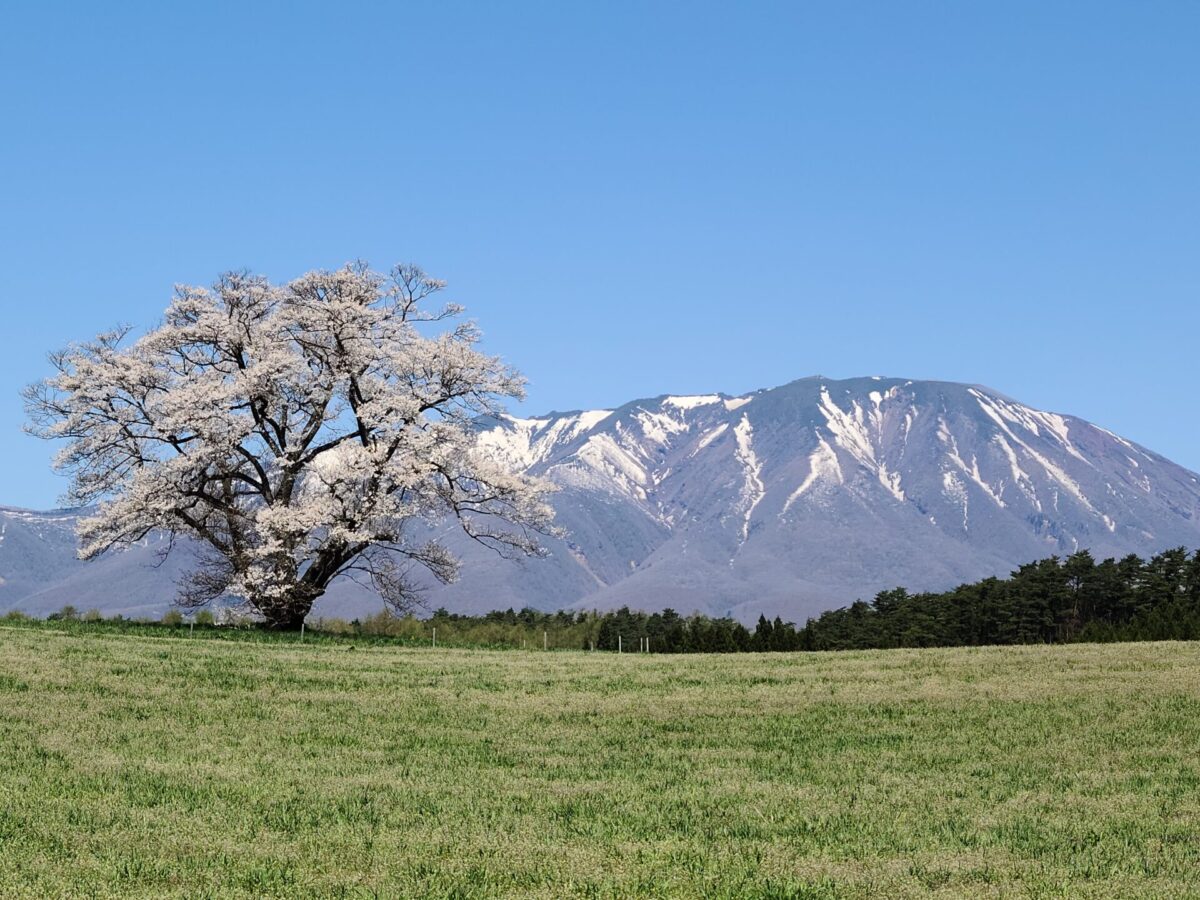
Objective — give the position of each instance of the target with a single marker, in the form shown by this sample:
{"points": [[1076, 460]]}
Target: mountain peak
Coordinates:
{"points": [[821, 490]]}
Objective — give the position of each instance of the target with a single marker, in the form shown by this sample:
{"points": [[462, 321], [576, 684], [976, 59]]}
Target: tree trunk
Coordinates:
{"points": [[289, 619], [286, 615]]}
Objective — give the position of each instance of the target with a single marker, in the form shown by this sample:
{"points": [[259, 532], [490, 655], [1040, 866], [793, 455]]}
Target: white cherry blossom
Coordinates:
{"points": [[301, 432]]}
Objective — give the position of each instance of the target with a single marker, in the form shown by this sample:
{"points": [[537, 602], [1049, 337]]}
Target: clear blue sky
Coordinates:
{"points": [[634, 198]]}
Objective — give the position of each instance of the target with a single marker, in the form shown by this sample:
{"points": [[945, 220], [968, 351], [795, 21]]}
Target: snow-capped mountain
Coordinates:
{"points": [[786, 501]]}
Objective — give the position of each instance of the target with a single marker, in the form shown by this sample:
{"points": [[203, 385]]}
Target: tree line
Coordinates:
{"points": [[1054, 600], [624, 629]]}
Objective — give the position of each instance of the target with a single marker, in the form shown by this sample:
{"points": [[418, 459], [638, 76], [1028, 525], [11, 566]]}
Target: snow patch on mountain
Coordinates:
{"points": [[659, 427], [850, 430], [621, 468], [693, 401], [1000, 411], [972, 471], [709, 436], [822, 464], [957, 491], [590, 419], [1057, 426], [752, 488]]}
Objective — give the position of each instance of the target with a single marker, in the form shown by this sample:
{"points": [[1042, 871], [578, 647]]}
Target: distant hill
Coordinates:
{"points": [[786, 501]]}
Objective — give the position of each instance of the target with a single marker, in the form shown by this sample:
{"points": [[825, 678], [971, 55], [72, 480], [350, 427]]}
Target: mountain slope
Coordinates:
{"points": [[795, 499]]}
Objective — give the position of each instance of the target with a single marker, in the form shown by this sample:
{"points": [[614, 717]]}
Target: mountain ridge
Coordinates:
{"points": [[794, 499]]}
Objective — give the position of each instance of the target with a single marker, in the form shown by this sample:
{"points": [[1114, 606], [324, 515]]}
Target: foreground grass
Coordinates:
{"points": [[149, 766]]}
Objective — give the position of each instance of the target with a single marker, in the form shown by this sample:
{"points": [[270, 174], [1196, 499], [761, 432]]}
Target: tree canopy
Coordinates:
{"points": [[300, 432]]}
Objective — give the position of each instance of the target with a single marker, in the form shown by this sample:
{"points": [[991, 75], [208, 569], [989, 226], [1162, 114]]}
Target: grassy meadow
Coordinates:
{"points": [[152, 766]]}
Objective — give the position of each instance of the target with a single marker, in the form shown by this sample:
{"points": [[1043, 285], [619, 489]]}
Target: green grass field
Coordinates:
{"points": [[156, 766]]}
